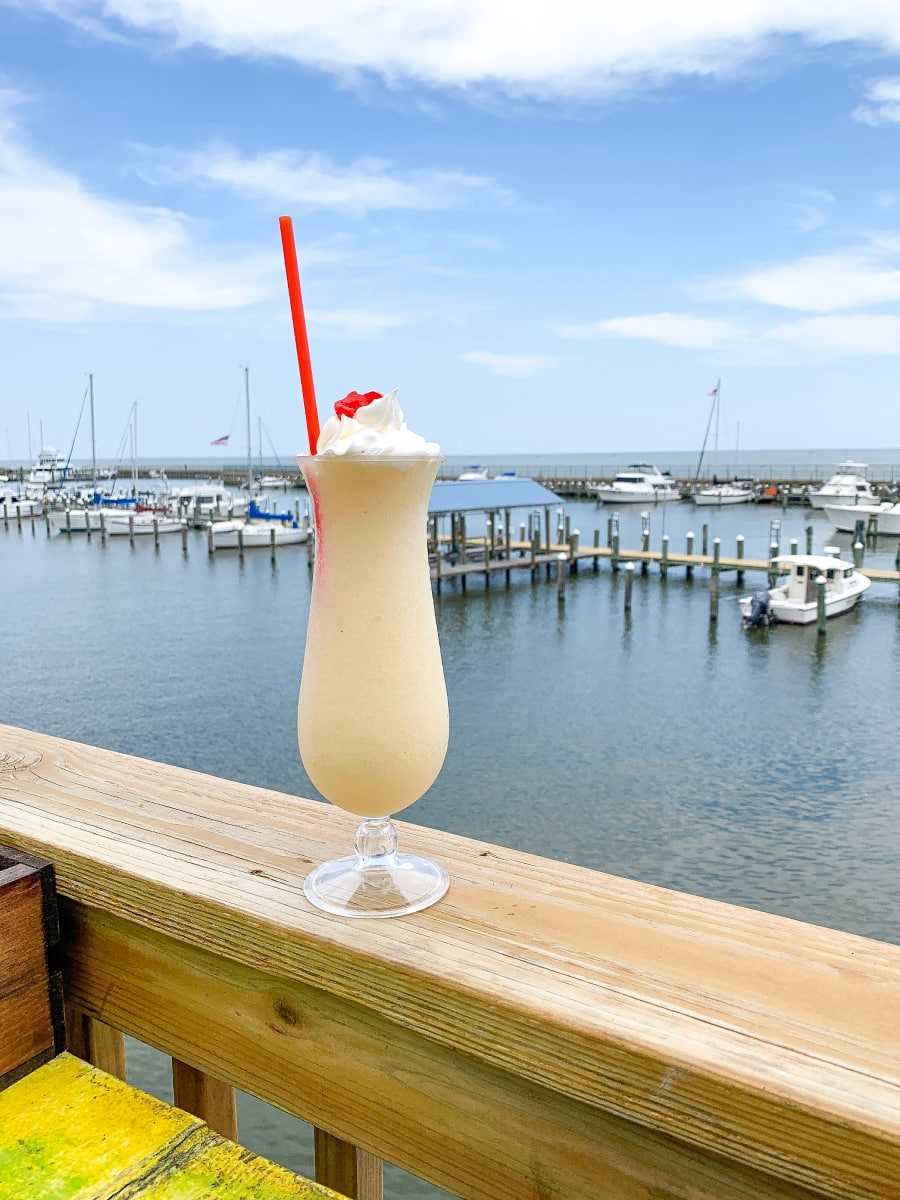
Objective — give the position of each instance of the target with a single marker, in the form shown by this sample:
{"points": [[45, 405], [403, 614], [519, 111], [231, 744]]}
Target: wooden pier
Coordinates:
{"points": [[544, 1031]]}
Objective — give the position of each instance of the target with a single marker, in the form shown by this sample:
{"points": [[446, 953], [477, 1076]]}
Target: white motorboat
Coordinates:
{"points": [[202, 502], [795, 602], [848, 485], [639, 483], [724, 493], [14, 507], [474, 472], [49, 471], [846, 516]]}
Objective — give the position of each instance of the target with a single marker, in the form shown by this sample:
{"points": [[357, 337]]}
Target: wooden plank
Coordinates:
{"points": [[27, 1033], [206, 1097], [749, 1037], [95, 1042], [347, 1169], [71, 1132], [467, 1127]]}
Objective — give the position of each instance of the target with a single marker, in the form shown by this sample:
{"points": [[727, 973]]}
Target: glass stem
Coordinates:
{"points": [[376, 844]]}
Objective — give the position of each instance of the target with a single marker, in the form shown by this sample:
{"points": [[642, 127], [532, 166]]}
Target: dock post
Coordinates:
{"points": [[68, 521], [740, 556], [596, 547], [272, 543], [858, 552], [522, 539], [102, 527], [561, 577], [240, 533], [210, 542], [310, 545], [614, 556], [87, 524], [131, 528], [664, 557], [184, 537], [873, 526], [705, 544], [574, 539], [6, 515], [689, 550], [507, 515], [461, 526], [773, 566], [535, 550], [794, 546], [47, 521], [775, 535], [567, 528], [860, 529], [629, 584], [645, 539], [820, 606], [809, 539], [156, 532], [717, 552], [714, 597], [609, 524]]}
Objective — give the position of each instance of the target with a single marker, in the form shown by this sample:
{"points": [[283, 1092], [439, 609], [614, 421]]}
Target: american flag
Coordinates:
{"points": [[223, 441]]}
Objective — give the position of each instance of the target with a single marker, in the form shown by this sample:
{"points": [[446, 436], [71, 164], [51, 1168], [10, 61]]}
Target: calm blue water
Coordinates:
{"points": [[758, 768]]}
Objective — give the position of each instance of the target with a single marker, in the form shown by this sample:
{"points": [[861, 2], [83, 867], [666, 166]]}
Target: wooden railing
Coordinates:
{"points": [[545, 1031]]}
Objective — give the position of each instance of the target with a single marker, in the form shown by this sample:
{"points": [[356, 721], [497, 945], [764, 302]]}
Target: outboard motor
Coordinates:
{"points": [[759, 610]]}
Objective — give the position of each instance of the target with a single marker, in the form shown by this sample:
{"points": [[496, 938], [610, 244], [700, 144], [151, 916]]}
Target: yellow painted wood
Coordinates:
{"points": [[536, 999], [71, 1132]]}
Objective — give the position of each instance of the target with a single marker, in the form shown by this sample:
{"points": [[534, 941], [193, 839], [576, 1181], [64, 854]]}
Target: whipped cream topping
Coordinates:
{"points": [[376, 428]]}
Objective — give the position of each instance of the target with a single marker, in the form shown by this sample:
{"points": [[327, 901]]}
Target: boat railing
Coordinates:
{"points": [[545, 1031]]}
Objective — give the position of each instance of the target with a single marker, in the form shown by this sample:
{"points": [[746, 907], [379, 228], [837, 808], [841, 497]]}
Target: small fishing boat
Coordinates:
{"points": [[639, 483], [795, 602]]}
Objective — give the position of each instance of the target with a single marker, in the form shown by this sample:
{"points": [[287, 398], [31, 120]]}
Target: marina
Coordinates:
{"points": [[639, 739]]}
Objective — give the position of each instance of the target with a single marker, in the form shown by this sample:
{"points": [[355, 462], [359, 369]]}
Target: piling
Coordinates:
{"points": [[858, 552], [68, 521], [717, 553], [820, 606], [561, 577], [19, 517], [102, 527], [184, 538], [272, 543], [574, 541], [609, 531], [794, 545], [596, 547], [614, 556], [689, 549], [6, 515], [645, 539], [156, 532], [46, 519], [131, 528], [739, 553], [664, 557], [705, 542], [629, 584], [310, 545], [714, 596], [535, 550], [240, 533], [809, 539], [210, 541]]}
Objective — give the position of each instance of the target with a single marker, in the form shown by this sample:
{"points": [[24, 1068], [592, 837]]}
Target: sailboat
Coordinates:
{"points": [[717, 493], [260, 528], [143, 519]]}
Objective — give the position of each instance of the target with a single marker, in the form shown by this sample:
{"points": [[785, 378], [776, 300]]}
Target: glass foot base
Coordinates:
{"points": [[351, 888]]}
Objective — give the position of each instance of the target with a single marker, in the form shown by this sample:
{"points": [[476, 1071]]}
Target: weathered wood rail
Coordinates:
{"points": [[545, 1031]]}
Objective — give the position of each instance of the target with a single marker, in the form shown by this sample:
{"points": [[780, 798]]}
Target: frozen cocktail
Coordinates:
{"points": [[372, 719]]}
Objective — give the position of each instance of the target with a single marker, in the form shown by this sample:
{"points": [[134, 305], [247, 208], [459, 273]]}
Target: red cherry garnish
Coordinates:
{"points": [[354, 401]]}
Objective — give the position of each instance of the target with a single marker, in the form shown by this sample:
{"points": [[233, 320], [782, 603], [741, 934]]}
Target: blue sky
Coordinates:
{"points": [[551, 227]]}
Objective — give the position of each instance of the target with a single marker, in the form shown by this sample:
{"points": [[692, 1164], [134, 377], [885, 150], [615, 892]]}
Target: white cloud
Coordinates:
{"points": [[853, 334], [313, 181], [67, 253], [517, 366], [883, 107], [823, 283], [563, 47], [357, 322], [670, 329]]}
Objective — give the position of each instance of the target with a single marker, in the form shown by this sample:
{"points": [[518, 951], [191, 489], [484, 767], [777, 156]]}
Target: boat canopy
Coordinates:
{"points": [[488, 495]]}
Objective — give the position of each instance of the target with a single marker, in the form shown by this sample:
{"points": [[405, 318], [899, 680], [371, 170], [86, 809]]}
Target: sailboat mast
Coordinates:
{"points": [[249, 447], [718, 403], [134, 469], [93, 439]]}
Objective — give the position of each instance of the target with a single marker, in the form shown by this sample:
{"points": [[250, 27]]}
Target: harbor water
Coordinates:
{"points": [[756, 767]]}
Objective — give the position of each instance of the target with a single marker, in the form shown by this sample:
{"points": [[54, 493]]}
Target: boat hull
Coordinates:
{"points": [[846, 516], [610, 495], [226, 535], [143, 525]]}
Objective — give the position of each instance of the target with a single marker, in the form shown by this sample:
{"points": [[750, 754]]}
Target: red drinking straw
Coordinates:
{"points": [[306, 377]]}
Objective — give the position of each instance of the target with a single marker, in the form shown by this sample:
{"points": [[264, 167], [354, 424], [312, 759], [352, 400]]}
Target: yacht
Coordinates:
{"points": [[474, 472], [848, 485], [639, 483], [49, 471], [795, 602], [846, 516]]}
